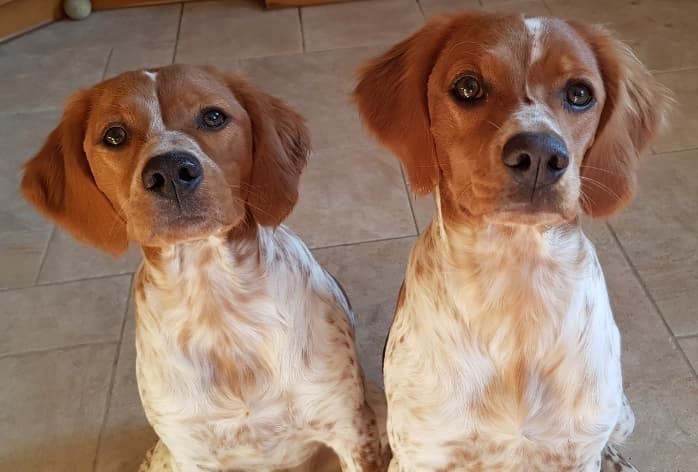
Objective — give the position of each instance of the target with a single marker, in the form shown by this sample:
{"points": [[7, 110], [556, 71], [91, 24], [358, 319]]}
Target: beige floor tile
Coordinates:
{"points": [[656, 378], [424, 210], [359, 23], [21, 135], [127, 435], [53, 316], [21, 253], [68, 259], [319, 86], [134, 27], [663, 33], [350, 195], [682, 132], [125, 59], [658, 231], [51, 408], [690, 347], [32, 82], [528, 7], [234, 29], [371, 273]]}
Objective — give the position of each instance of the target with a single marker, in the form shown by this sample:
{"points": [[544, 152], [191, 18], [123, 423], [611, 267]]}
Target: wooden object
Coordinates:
{"points": [[297, 3], [20, 16]]}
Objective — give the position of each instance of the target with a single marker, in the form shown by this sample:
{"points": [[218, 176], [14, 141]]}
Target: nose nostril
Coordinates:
{"points": [[557, 163], [522, 162], [155, 181], [187, 174]]}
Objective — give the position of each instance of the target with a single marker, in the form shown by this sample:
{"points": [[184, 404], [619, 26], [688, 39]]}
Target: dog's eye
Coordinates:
{"points": [[579, 96], [213, 118], [468, 89], [115, 136]]}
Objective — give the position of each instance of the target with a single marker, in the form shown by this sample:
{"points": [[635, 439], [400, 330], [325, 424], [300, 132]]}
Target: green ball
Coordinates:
{"points": [[77, 9]]}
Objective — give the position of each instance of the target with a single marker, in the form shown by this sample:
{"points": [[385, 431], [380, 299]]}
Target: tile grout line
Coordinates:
{"points": [[687, 336], [179, 29], [545, 4], [300, 23], [69, 347], [65, 282], [357, 243], [112, 381], [43, 258], [675, 151], [409, 199], [421, 9], [106, 65], [635, 272]]}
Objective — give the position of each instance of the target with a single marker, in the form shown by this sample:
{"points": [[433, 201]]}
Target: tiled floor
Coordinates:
{"points": [[67, 396]]}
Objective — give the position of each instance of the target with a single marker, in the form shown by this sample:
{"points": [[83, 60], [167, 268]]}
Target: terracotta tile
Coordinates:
{"points": [[350, 195], [127, 436], [528, 7], [359, 23], [371, 273], [663, 33], [682, 132], [135, 27], [658, 231], [30, 82], [53, 316], [690, 347], [223, 30], [125, 59], [319, 86], [656, 378], [51, 408], [68, 259]]}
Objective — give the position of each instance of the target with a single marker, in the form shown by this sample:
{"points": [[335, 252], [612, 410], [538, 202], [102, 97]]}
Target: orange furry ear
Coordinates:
{"points": [[281, 146], [58, 181], [392, 100], [635, 110]]}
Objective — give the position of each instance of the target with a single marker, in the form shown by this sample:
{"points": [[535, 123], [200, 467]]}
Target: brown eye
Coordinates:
{"points": [[468, 89], [213, 119], [579, 96], [115, 136]]}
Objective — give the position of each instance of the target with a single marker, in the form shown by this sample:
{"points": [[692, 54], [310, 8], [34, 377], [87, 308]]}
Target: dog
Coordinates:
{"points": [[246, 356], [503, 354]]}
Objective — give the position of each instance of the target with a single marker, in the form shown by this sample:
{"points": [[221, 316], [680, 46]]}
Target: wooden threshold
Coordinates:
{"points": [[20, 16]]}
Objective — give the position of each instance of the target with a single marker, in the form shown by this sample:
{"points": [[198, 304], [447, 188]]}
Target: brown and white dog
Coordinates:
{"points": [[504, 354], [246, 357]]}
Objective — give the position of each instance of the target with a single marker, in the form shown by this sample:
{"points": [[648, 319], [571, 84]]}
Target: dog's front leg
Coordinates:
{"points": [[358, 445]]}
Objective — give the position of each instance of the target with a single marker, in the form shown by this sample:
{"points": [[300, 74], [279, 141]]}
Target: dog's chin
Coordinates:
{"points": [[183, 229], [530, 215]]}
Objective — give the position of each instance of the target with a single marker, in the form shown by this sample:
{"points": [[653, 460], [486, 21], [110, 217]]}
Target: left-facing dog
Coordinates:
{"points": [[246, 357]]}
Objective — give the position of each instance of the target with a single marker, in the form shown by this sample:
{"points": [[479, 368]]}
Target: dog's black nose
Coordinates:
{"points": [[172, 175], [536, 159]]}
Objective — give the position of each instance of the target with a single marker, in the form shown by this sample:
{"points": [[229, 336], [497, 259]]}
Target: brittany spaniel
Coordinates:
{"points": [[246, 357], [503, 354]]}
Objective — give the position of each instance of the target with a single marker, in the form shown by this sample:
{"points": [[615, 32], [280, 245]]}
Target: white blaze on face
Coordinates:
{"points": [[535, 29]]}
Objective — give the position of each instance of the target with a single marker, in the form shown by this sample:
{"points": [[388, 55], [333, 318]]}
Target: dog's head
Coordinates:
{"points": [[518, 120], [168, 155]]}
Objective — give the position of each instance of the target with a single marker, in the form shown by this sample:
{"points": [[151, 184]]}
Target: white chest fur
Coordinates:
{"points": [[504, 353], [230, 367]]}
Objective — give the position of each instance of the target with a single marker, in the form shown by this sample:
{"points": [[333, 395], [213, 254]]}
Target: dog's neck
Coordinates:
{"points": [[509, 271], [208, 300]]}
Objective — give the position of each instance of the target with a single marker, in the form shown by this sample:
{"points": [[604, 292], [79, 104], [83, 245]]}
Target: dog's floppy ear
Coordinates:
{"points": [[392, 100], [59, 182], [281, 144], [635, 110]]}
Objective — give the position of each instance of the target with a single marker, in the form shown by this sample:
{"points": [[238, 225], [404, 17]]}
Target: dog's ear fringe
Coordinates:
{"points": [[58, 181]]}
